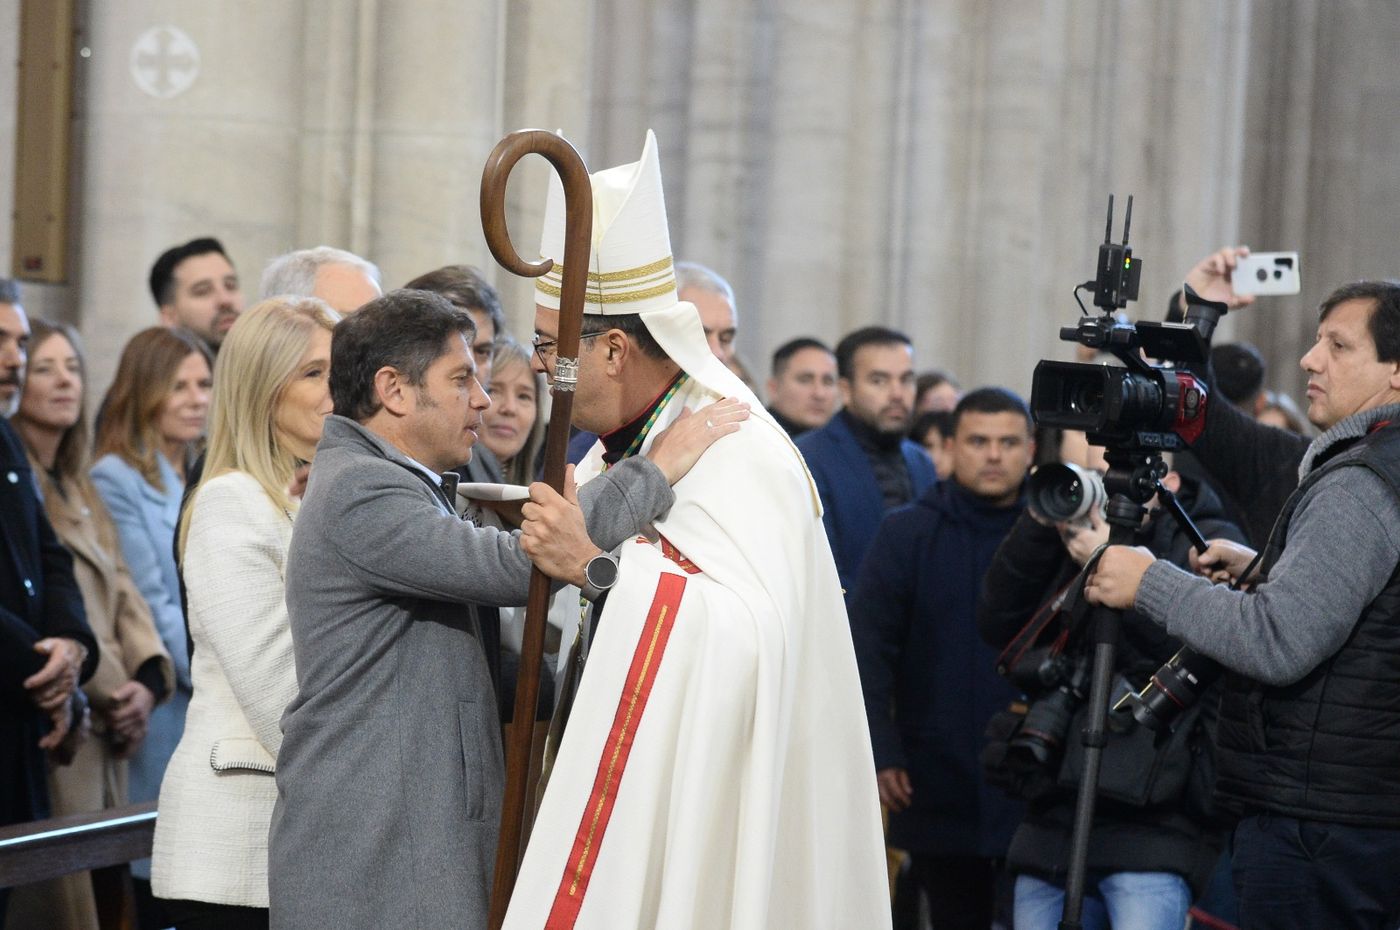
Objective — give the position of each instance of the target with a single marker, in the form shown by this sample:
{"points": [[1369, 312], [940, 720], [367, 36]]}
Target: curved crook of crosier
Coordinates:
{"points": [[578, 202]]}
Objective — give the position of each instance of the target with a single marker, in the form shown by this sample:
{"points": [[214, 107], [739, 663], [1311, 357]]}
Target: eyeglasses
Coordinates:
{"points": [[544, 348]]}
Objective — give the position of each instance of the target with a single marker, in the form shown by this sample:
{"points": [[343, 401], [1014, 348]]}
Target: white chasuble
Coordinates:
{"points": [[716, 770]]}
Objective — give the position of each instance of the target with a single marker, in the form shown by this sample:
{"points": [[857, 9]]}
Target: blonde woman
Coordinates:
{"points": [[134, 672], [271, 398]]}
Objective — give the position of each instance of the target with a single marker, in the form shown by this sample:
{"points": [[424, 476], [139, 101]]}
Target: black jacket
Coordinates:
{"points": [[1175, 836], [39, 598], [930, 684], [1326, 747]]}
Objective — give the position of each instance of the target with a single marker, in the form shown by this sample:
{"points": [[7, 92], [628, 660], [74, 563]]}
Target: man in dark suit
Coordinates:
{"points": [[862, 462], [46, 648]]}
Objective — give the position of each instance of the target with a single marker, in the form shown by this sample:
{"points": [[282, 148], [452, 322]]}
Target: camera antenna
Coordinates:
{"points": [[1116, 280]]}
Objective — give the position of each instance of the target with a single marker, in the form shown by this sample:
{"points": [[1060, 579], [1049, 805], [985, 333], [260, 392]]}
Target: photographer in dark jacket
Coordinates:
{"points": [[1149, 856], [1309, 732]]}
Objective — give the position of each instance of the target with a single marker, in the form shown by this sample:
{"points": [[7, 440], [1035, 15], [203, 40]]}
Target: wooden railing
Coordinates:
{"points": [[102, 842]]}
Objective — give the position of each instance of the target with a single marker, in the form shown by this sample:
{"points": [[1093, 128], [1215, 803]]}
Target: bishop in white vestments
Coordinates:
{"points": [[716, 768]]}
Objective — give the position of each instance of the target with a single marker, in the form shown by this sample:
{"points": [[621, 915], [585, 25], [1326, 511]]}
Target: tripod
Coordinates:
{"points": [[1133, 479]]}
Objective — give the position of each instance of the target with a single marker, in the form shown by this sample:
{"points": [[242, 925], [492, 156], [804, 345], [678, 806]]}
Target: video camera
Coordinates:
{"points": [[1136, 412], [1138, 406]]}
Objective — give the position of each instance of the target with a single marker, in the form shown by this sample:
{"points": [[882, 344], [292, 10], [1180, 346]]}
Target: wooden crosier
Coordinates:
{"points": [[578, 231]]}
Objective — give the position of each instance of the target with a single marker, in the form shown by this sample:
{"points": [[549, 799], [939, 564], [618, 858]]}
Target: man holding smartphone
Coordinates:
{"points": [[1309, 731]]}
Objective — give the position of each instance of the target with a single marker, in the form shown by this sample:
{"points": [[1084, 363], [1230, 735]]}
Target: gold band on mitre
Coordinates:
{"points": [[631, 269], [627, 285]]}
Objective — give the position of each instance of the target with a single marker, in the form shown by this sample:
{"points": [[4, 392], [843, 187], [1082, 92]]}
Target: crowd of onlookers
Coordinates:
{"points": [[169, 501]]}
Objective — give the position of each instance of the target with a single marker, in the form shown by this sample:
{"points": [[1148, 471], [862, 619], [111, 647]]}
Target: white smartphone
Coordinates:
{"points": [[1267, 274]]}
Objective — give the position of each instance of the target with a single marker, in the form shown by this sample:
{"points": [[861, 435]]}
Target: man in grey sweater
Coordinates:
{"points": [[390, 772], [1309, 732]]}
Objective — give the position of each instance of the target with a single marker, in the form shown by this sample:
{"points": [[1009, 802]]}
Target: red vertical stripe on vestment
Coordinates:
{"points": [[646, 659]]}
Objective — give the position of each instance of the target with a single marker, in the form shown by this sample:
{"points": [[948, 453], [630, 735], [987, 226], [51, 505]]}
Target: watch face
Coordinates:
{"points": [[601, 571]]}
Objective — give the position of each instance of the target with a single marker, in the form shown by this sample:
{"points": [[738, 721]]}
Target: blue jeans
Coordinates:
{"points": [[1127, 900]]}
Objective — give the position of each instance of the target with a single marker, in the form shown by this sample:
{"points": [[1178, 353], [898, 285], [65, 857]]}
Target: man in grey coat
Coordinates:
{"points": [[390, 773], [1308, 736]]}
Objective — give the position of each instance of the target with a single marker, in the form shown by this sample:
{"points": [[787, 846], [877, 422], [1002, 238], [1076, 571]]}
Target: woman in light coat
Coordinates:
{"points": [[271, 396], [134, 671], [150, 422]]}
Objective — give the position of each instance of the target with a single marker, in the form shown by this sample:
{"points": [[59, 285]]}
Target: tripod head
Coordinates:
{"points": [[1132, 480]]}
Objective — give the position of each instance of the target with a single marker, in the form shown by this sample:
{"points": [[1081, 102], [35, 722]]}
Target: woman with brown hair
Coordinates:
{"points": [[134, 671], [152, 418], [514, 428]]}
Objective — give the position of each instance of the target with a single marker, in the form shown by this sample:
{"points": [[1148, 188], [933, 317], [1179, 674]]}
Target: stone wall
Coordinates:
{"points": [[937, 166]]}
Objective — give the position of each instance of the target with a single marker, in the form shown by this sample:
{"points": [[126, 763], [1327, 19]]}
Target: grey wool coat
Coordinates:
{"points": [[390, 774]]}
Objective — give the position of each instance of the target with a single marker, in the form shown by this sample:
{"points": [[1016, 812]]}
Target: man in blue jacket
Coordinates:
{"points": [[930, 683], [862, 463]]}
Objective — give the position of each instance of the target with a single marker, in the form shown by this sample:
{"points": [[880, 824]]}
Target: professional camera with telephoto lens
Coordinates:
{"points": [[1059, 682], [1066, 493], [1173, 688]]}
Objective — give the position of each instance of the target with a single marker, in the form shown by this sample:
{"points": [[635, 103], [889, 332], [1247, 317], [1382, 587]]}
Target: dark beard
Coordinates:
{"points": [[873, 437]]}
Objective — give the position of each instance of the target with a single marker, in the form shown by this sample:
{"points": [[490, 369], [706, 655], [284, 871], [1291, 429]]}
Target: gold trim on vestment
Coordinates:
{"points": [[617, 747]]}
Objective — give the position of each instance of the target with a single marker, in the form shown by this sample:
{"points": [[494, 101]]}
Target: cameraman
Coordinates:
{"points": [[1309, 732], [1147, 861]]}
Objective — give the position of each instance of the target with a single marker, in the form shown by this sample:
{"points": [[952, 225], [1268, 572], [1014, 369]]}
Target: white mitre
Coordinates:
{"points": [[631, 269]]}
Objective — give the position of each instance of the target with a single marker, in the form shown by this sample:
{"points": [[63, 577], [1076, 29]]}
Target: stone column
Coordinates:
{"points": [[942, 168], [435, 119], [9, 56], [547, 83], [1321, 169]]}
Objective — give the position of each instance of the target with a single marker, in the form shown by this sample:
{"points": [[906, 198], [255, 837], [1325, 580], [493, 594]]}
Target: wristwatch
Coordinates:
{"points": [[599, 575]]}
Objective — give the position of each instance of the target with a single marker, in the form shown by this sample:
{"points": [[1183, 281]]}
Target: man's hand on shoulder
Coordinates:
{"points": [[677, 448], [300, 476], [554, 535]]}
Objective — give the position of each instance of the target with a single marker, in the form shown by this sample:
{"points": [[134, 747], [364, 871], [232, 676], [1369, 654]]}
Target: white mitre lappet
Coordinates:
{"points": [[716, 768]]}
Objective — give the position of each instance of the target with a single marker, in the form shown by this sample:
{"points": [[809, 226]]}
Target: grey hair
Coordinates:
{"points": [[9, 291], [507, 350], [294, 274], [696, 275]]}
